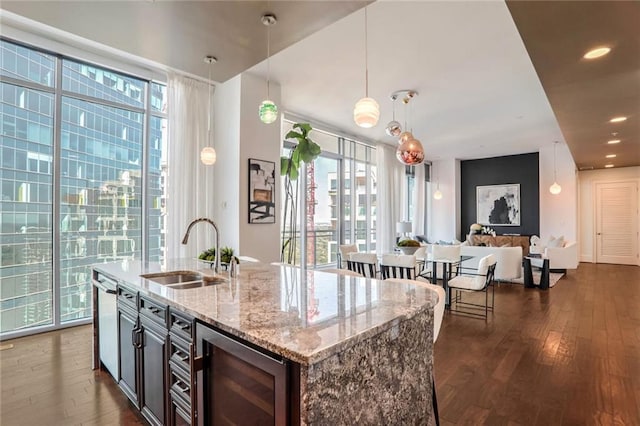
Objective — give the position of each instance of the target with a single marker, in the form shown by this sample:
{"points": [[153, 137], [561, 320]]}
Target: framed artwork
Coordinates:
{"points": [[262, 191], [498, 205]]}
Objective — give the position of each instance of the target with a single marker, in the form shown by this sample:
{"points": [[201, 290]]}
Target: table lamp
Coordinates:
{"points": [[403, 228]]}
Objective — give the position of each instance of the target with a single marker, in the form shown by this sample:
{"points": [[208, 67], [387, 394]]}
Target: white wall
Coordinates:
{"points": [[240, 135], [226, 128], [261, 141], [558, 213], [587, 220], [444, 220]]}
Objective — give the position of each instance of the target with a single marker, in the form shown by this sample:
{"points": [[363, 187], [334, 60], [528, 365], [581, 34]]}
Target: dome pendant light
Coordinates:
{"points": [[410, 151], [555, 188], [367, 111], [208, 154], [268, 111]]}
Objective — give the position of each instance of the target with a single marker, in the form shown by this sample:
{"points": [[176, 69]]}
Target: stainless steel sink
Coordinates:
{"points": [[180, 280]]}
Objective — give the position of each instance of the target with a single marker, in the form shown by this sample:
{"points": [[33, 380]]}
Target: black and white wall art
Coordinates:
{"points": [[262, 191], [498, 205]]}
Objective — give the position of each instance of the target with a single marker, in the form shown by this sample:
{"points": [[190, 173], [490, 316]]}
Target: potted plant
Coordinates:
{"points": [[305, 151], [408, 246]]}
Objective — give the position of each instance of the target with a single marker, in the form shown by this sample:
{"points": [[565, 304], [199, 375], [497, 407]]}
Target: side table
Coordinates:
{"points": [[528, 272]]}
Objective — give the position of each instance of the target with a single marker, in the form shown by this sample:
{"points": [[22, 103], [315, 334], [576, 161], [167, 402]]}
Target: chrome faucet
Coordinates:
{"points": [[216, 267]]}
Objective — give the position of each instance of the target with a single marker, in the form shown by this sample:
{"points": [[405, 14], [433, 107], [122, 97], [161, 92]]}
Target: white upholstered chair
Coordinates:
{"points": [[366, 264], [344, 251], [478, 281], [398, 266]]}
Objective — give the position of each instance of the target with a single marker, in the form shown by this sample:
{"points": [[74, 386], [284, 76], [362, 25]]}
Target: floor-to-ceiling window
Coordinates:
{"points": [[77, 142], [340, 199]]}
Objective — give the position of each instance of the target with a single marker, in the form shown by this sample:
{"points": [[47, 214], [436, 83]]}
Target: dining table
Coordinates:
{"points": [[447, 265]]}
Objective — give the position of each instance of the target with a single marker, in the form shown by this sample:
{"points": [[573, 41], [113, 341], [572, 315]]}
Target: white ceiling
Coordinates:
{"points": [[479, 93]]}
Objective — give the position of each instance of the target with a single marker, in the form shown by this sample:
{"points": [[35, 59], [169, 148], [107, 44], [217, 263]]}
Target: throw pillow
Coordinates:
{"points": [[556, 242]]}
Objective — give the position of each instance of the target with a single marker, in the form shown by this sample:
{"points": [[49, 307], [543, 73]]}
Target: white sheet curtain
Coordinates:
{"points": [[419, 201], [391, 198], [189, 181]]}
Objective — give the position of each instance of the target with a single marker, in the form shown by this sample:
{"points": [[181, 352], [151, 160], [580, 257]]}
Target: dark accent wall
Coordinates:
{"points": [[522, 169]]}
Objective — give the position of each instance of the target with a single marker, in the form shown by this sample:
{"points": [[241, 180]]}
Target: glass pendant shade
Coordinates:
{"points": [[555, 188], [366, 113], [437, 195], [208, 156], [268, 112], [393, 129], [410, 151]]}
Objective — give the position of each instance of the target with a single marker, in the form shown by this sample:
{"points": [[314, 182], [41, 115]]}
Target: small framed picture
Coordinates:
{"points": [[262, 191]]}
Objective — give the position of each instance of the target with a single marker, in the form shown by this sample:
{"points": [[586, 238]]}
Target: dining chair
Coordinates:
{"points": [[478, 281], [343, 252], [366, 264], [438, 314], [398, 266]]}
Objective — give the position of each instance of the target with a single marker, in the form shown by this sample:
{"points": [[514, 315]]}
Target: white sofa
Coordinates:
{"points": [[509, 260], [563, 258]]}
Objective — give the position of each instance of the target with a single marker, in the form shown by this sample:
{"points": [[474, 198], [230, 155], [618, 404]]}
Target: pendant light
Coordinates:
{"points": [[208, 154], [410, 151], [438, 194], [367, 111], [268, 111], [393, 128], [555, 188]]}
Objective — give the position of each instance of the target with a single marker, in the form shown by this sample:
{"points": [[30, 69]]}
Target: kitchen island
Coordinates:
{"points": [[347, 349]]}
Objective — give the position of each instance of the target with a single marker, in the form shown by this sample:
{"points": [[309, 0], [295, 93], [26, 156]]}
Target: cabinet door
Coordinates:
{"points": [[128, 354], [153, 373], [239, 384]]}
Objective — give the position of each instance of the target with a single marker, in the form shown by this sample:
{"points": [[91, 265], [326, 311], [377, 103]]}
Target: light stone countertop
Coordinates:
{"points": [[305, 316]]}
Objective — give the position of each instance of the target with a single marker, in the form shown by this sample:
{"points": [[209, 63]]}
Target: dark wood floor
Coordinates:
{"points": [[47, 380], [567, 356]]}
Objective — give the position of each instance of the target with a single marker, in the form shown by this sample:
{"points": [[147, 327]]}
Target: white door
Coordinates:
{"points": [[617, 223]]}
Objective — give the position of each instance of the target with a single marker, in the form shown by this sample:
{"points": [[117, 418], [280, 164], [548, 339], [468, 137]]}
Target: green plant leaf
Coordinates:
{"points": [[284, 166], [293, 173], [294, 135], [305, 128]]}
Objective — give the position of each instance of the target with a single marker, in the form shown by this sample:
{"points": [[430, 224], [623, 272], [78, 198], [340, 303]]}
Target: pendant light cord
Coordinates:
{"points": [[555, 177], [366, 56], [268, 60], [209, 104]]}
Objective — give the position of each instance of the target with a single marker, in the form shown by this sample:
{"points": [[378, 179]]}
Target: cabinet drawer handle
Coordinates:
{"points": [[181, 355], [153, 309], [127, 295], [181, 386], [181, 325]]}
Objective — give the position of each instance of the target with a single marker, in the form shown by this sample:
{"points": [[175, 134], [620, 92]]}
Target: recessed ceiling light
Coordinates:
{"points": [[611, 156], [613, 141], [608, 166], [617, 119], [597, 52]]}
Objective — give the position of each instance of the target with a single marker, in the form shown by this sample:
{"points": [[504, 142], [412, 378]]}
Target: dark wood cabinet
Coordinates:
{"points": [[238, 383], [128, 338], [143, 349], [182, 404], [153, 359]]}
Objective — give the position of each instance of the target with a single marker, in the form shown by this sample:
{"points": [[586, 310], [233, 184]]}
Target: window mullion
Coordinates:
{"points": [[56, 257]]}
